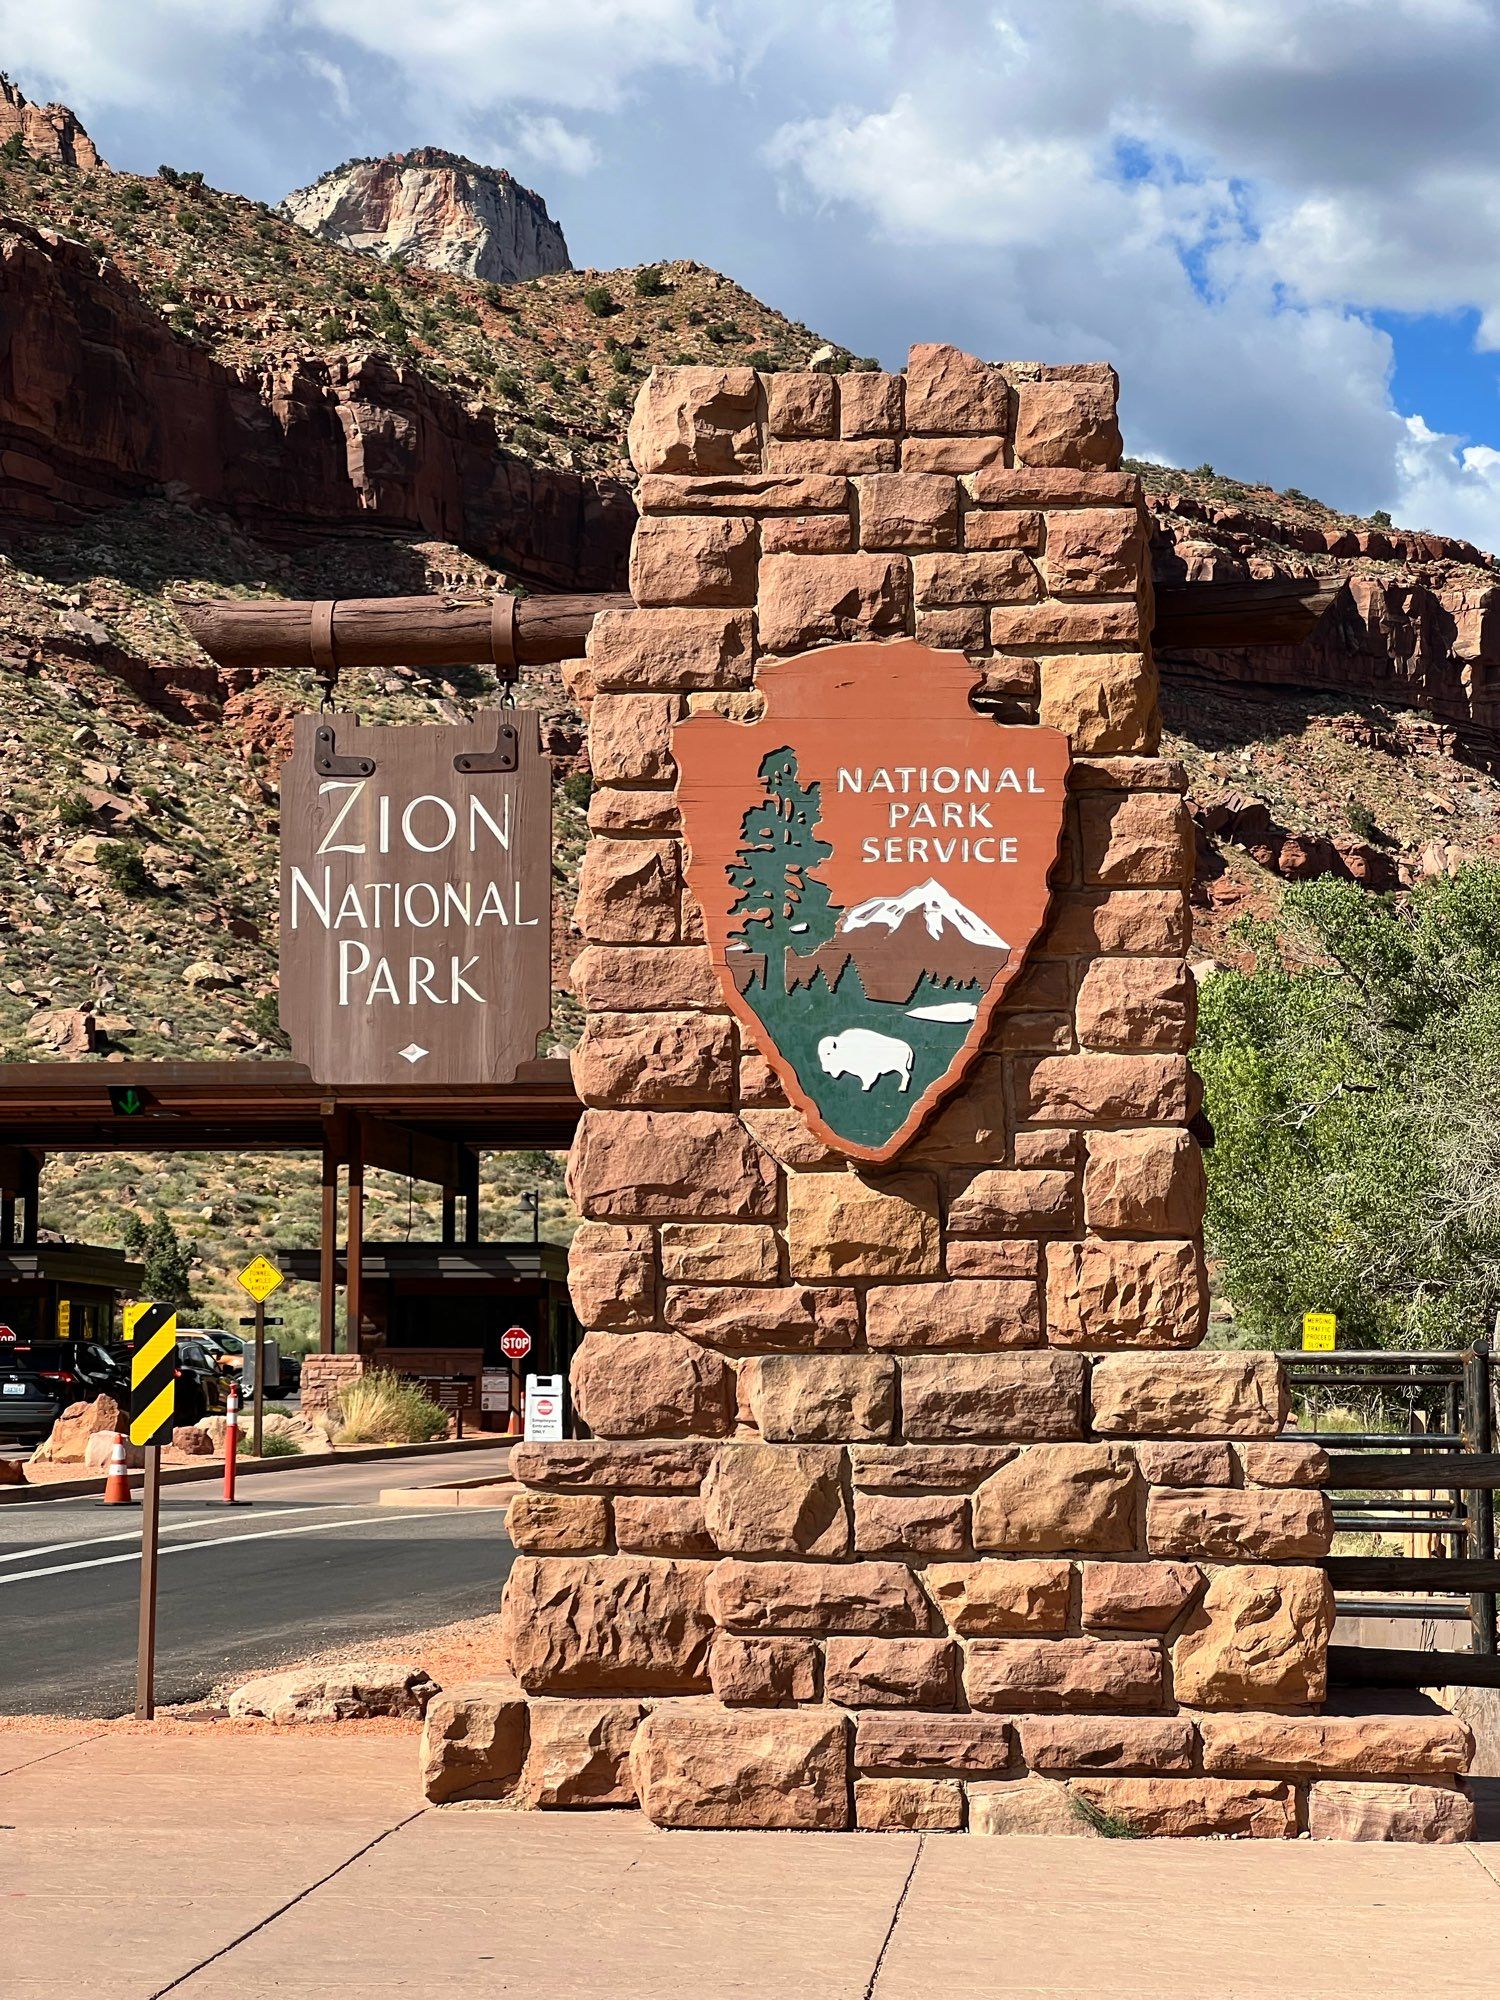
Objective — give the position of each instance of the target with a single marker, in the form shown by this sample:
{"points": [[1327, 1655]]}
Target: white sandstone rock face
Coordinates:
{"points": [[434, 209]]}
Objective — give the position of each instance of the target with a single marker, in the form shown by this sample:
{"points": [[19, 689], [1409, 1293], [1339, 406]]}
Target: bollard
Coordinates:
{"points": [[231, 1445], [117, 1491]]}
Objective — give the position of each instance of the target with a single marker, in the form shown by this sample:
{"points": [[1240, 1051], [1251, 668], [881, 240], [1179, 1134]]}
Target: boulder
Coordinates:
{"points": [[351, 1691], [193, 1441], [67, 1442]]}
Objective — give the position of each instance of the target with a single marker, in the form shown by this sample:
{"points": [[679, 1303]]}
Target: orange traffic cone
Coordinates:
{"points": [[117, 1491], [513, 1428]]}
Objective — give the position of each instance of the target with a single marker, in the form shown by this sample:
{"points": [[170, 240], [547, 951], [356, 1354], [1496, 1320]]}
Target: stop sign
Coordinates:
{"points": [[515, 1343]]}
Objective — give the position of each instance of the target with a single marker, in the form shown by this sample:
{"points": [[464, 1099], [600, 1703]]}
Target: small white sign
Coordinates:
{"points": [[494, 1390], [544, 1409]]}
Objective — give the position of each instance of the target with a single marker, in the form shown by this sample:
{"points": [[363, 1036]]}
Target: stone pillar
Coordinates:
{"points": [[912, 1501]]}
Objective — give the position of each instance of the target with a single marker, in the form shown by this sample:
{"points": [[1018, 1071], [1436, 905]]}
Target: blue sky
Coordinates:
{"points": [[1280, 219]]}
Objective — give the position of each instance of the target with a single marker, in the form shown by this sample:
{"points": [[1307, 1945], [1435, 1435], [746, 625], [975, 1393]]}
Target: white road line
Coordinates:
{"points": [[98, 1541], [222, 1542]]}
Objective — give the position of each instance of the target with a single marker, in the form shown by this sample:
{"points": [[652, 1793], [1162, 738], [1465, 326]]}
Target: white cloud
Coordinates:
{"points": [[551, 143]]}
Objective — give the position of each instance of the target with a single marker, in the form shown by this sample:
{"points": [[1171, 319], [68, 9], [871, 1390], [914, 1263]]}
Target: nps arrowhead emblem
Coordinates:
{"points": [[872, 859]]}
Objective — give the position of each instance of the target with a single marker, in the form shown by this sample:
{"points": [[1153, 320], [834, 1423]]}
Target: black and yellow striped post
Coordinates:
{"points": [[151, 1332]]}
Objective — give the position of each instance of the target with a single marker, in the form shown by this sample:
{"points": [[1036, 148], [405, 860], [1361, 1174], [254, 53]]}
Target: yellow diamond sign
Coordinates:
{"points": [[260, 1278]]}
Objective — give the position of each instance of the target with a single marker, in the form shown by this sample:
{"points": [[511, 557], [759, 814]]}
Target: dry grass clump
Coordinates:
{"points": [[382, 1408]]}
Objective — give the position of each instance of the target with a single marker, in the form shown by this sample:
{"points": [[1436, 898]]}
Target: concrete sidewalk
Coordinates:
{"points": [[221, 1866]]}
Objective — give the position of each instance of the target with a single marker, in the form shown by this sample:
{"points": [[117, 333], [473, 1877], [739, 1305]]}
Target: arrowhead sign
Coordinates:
{"points": [[260, 1278], [872, 860]]}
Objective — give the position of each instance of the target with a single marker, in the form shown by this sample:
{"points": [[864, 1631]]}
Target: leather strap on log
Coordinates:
{"points": [[330, 635]]}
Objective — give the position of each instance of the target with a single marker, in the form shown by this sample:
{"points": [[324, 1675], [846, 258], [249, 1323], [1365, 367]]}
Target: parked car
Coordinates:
{"points": [[202, 1378], [81, 1369], [29, 1402]]}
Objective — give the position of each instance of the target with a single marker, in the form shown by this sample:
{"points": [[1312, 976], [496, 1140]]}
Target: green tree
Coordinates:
{"points": [[783, 902], [169, 1263], [1353, 1081]]}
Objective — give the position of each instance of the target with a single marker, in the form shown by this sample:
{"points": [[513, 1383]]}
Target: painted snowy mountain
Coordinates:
{"points": [[896, 940]]}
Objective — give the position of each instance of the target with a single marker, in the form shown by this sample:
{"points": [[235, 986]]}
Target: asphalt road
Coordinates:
{"points": [[313, 1562]]}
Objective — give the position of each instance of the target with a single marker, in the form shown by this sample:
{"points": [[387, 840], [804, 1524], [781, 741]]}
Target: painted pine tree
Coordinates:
{"points": [[781, 901]]}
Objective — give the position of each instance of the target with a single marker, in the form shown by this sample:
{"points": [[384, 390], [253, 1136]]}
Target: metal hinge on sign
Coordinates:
{"points": [[327, 762], [504, 757]]}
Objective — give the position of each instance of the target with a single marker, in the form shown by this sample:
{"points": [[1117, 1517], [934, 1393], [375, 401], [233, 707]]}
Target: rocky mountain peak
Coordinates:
{"points": [[436, 209], [47, 131]]}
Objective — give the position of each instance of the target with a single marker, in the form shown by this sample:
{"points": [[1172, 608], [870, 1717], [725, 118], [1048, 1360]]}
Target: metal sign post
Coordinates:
{"points": [[151, 1332], [260, 1278]]}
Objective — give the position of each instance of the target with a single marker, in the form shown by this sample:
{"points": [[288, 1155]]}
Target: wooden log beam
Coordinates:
{"points": [[392, 631], [1396, 1471], [1410, 1666], [1279, 613], [1427, 1573]]}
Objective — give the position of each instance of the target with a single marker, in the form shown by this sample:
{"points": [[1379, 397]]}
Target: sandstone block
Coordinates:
{"points": [[1340, 1809], [1119, 920], [1068, 423], [1190, 1462], [612, 1276], [696, 420], [952, 454], [1283, 1462], [1025, 1674], [1136, 840], [755, 493], [1101, 701], [908, 1805], [700, 1764], [718, 1253], [960, 628], [1001, 1201], [662, 1524], [630, 739], [931, 1524], [1043, 486], [757, 1319], [1257, 1638], [554, 1523], [620, 810], [579, 1754], [1234, 1524], [628, 892], [474, 1741], [953, 1396], [891, 1673], [786, 1136], [656, 1058], [904, 1468], [805, 600], [763, 1673], [870, 404], [652, 1468], [822, 1398], [1144, 1183], [1137, 1596], [1060, 1496], [1106, 1742], [631, 1385], [840, 1226], [606, 1624], [983, 1600], [679, 1165], [1195, 1808], [762, 1499], [975, 1313], [1189, 1395], [1110, 624], [801, 404], [908, 510], [678, 559], [808, 535], [863, 1597], [1118, 1294], [610, 980], [978, 577], [1427, 1744], [1137, 1003], [950, 393], [634, 651], [1036, 1147], [1095, 549], [1002, 528], [847, 457], [896, 1739], [1089, 1090], [1027, 1807]]}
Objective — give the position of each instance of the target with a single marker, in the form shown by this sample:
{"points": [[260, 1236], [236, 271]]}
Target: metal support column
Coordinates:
{"points": [[328, 1237], [354, 1247], [1479, 1392], [471, 1195], [31, 1198]]}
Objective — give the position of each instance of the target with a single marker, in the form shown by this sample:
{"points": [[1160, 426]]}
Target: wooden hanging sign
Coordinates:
{"points": [[872, 860], [416, 899]]}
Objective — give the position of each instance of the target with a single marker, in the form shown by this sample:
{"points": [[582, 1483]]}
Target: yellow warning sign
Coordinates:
{"points": [[1320, 1333], [260, 1278], [151, 1329]]}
